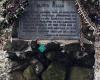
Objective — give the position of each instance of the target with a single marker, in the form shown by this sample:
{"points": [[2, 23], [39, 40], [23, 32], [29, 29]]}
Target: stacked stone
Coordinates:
{"points": [[97, 55], [4, 66], [4, 62], [97, 41]]}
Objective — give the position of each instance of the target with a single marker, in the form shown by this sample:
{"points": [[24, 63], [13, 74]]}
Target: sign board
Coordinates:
{"points": [[50, 20]]}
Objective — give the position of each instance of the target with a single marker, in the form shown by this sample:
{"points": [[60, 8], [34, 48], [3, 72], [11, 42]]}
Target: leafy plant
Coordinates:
{"points": [[12, 9]]}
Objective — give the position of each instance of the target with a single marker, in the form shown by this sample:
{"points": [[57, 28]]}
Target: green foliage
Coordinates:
{"points": [[12, 13]]}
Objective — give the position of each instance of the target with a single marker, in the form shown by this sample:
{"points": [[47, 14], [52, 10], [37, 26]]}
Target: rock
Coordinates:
{"points": [[38, 66], [54, 72], [17, 76], [53, 47], [88, 34], [79, 73], [4, 66], [51, 55], [19, 45], [81, 58], [58, 57], [29, 74], [7, 46]]}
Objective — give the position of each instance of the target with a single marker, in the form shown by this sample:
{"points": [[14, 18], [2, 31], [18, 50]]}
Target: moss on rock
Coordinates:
{"points": [[29, 74], [54, 72], [79, 73]]}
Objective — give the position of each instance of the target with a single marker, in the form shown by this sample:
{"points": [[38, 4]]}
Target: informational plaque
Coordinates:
{"points": [[50, 20]]}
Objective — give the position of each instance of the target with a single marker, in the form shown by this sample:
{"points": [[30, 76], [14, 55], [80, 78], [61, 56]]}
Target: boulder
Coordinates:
{"points": [[29, 74], [19, 45], [80, 73], [54, 72]]}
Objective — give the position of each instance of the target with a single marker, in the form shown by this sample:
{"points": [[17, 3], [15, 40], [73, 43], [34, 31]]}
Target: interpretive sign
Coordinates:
{"points": [[50, 20]]}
